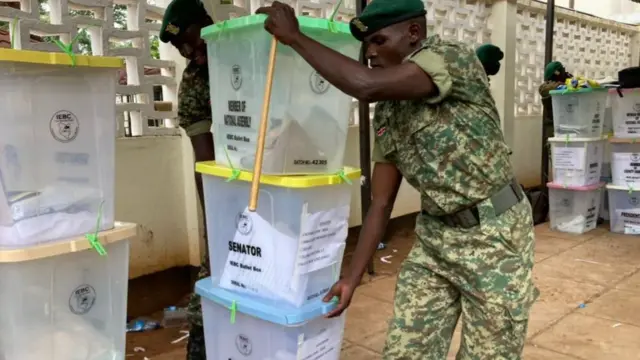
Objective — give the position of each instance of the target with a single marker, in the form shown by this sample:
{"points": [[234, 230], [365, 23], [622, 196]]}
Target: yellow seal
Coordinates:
{"points": [[172, 29], [362, 27]]}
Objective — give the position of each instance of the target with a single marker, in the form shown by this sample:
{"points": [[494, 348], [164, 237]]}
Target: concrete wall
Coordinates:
{"points": [[150, 192], [602, 8]]}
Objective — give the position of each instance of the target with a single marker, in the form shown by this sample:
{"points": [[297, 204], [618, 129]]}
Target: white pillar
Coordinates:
{"points": [[503, 35], [635, 48]]}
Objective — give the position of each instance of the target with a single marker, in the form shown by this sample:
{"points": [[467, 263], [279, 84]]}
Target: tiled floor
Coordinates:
{"points": [[589, 306]]}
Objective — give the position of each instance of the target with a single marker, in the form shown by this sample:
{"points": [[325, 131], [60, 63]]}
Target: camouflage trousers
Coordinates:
{"points": [[195, 346], [482, 275]]}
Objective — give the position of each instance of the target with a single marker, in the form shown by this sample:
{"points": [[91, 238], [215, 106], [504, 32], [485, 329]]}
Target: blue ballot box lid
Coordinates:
{"points": [[281, 314]]}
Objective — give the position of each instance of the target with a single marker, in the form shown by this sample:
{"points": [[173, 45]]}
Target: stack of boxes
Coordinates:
{"points": [[577, 156], [61, 296], [270, 269], [624, 198]]}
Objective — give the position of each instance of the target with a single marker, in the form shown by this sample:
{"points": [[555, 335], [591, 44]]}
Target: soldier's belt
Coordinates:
{"points": [[502, 201]]}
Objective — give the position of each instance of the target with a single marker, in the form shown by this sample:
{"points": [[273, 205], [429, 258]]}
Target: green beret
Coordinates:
{"points": [[490, 57], [178, 16], [554, 68], [382, 13]]}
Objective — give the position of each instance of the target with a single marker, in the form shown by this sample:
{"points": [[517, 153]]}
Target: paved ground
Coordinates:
{"points": [[589, 306]]}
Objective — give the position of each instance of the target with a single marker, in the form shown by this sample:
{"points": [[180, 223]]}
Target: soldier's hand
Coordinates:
{"points": [[281, 22], [343, 290]]}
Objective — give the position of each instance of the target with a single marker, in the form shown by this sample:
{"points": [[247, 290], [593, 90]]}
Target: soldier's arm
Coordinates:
{"points": [[194, 116], [404, 82], [385, 184], [548, 86]]}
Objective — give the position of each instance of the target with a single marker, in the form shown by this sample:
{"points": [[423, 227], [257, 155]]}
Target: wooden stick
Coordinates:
{"points": [[264, 121]]}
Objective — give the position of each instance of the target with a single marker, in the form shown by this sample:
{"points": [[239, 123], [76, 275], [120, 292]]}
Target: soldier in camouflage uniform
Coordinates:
{"points": [[181, 26], [436, 125], [554, 75]]}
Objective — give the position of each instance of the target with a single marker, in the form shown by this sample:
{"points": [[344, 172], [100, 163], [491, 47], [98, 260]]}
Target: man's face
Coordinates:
{"points": [[191, 45], [389, 46], [561, 76]]}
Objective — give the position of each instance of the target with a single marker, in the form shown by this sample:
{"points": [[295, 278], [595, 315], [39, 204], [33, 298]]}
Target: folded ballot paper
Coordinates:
{"points": [[56, 211], [76, 339], [289, 149]]}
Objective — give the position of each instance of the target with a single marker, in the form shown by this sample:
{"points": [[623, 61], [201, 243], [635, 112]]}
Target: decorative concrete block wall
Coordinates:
{"points": [[588, 46]]}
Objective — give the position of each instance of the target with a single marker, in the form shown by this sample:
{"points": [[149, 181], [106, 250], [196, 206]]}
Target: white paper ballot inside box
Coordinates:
{"points": [[254, 264], [77, 339]]}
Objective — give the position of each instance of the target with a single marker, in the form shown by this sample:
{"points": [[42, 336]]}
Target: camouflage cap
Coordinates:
{"points": [[490, 57], [178, 16], [382, 13], [553, 68]]}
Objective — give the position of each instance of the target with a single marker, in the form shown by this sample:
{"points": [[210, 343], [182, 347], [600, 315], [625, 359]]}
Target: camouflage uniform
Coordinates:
{"points": [[194, 116], [552, 72], [547, 130], [450, 147], [194, 100], [546, 99]]}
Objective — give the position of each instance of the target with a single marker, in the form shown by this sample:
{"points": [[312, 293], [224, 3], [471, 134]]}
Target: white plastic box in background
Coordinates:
{"points": [[237, 327], [626, 112], [57, 145], [625, 162], [624, 210], [578, 113], [63, 301], [574, 210], [308, 117], [290, 250], [578, 161]]}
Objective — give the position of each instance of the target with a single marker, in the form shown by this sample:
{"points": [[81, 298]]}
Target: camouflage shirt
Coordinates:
{"points": [[546, 98], [194, 104], [450, 146]]}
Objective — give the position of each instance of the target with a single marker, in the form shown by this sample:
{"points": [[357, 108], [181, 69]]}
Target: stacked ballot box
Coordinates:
{"points": [[577, 154], [57, 146], [574, 209], [624, 183], [308, 117], [577, 163], [245, 327], [290, 249], [63, 259], [64, 300], [280, 260], [272, 267]]}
